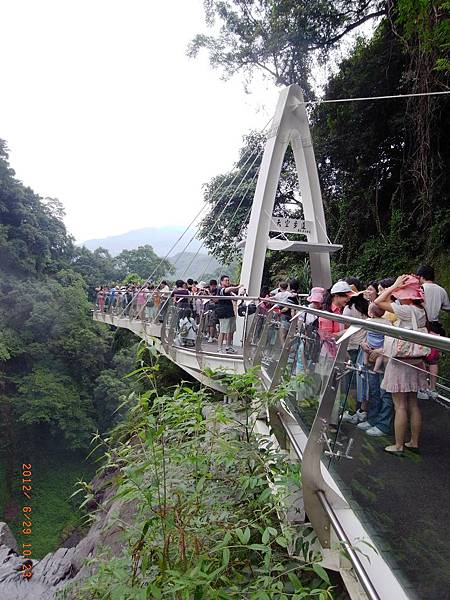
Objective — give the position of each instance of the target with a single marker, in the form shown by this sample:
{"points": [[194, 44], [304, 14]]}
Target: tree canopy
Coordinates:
{"points": [[279, 37], [58, 370], [383, 165]]}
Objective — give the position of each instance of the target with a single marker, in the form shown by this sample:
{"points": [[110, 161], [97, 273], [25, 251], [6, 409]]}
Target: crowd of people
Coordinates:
{"points": [[392, 375]]}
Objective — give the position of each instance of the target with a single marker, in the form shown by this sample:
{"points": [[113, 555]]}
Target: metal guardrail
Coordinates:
{"points": [[320, 499]]}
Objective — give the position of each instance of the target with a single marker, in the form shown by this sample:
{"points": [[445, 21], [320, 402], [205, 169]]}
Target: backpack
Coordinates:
{"points": [[185, 328], [312, 342]]}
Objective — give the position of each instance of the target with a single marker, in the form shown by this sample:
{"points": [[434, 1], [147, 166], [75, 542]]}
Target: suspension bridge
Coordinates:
{"points": [[383, 523]]}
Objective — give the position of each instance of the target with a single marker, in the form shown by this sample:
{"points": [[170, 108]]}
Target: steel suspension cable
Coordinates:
{"points": [[228, 204], [205, 204], [225, 207], [228, 256]]}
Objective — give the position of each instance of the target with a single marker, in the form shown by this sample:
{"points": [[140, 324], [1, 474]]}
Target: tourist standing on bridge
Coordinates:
{"points": [[334, 301], [357, 308], [210, 308], [178, 294], [330, 331], [436, 299], [100, 298], [404, 378], [226, 315], [283, 294]]}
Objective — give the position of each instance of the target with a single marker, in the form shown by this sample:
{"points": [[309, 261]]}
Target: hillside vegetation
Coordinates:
{"points": [[383, 164]]}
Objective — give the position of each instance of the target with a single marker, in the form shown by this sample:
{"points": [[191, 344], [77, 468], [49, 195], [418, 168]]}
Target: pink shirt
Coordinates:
{"points": [[327, 326]]}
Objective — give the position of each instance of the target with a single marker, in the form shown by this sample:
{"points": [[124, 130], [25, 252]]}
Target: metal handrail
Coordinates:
{"points": [[338, 529], [434, 341], [428, 339]]}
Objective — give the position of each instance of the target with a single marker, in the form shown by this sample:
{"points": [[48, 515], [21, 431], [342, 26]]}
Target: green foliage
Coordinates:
{"points": [[279, 37], [133, 278], [385, 191], [143, 261], [428, 22], [55, 475], [206, 498]]}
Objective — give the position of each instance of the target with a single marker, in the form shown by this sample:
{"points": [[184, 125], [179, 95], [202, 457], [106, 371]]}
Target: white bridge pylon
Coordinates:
{"points": [[289, 126]]}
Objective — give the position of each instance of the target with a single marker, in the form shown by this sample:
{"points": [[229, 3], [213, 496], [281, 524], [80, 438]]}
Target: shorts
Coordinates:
{"points": [[285, 322], [227, 325], [212, 318], [436, 327]]}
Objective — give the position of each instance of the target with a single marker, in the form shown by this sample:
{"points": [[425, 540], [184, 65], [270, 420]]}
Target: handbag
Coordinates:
{"points": [[403, 349], [246, 309]]}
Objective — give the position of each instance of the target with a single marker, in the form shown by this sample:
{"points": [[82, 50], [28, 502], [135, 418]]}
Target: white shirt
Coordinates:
{"points": [[436, 299], [282, 296], [404, 314], [359, 337]]}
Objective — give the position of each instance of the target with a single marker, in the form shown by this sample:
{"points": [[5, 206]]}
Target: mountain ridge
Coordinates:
{"points": [[160, 238]]}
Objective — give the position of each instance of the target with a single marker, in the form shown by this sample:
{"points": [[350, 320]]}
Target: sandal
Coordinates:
{"points": [[414, 449], [393, 450]]}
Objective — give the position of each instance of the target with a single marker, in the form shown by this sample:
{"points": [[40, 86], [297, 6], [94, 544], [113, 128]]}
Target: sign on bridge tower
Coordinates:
{"points": [[289, 126]]}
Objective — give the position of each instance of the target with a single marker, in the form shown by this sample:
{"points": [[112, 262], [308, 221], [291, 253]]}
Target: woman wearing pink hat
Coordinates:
{"points": [[405, 377]]}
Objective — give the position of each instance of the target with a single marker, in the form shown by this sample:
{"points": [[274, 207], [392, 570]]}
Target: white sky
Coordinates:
{"points": [[102, 109]]}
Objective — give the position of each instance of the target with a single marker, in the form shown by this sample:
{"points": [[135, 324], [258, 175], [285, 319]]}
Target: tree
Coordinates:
{"points": [[96, 268], [373, 206], [143, 261], [231, 196], [33, 238], [280, 37]]}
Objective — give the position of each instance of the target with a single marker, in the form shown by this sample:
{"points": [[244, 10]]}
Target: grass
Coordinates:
{"points": [[54, 514]]}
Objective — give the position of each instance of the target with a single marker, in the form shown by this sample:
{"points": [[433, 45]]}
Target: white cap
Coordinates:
{"points": [[341, 287]]}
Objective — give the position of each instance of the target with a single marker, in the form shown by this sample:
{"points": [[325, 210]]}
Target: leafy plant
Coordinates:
{"points": [[207, 495]]}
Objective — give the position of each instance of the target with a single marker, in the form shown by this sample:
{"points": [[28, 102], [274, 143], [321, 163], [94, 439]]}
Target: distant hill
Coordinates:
{"points": [[203, 266], [160, 238]]}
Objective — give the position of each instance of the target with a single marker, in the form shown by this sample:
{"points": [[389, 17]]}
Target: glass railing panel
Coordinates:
{"points": [[255, 328], [309, 362], [272, 340], [161, 304], [401, 499], [182, 329], [206, 341], [168, 327]]}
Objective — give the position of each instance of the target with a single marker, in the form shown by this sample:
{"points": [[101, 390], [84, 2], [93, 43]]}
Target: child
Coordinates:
{"points": [[373, 346], [187, 329]]}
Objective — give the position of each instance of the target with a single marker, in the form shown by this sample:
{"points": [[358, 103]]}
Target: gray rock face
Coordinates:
{"points": [[67, 565]]}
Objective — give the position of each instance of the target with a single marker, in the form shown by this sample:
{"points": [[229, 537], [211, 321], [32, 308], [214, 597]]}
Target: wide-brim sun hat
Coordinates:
{"points": [[411, 291], [202, 285], [316, 295], [342, 287]]}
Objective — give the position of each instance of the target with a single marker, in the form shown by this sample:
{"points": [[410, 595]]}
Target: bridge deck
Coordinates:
{"points": [[397, 504]]}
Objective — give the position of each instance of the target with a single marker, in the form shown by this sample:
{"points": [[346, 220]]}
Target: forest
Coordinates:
{"points": [[383, 167], [61, 374]]}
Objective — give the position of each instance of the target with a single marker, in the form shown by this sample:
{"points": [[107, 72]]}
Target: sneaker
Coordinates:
{"points": [[348, 418], [356, 418], [210, 340], [422, 395], [230, 350], [362, 415], [220, 350], [364, 425], [375, 432]]}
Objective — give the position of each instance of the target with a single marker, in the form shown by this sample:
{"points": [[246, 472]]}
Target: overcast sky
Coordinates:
{"points": [[101, 108]]}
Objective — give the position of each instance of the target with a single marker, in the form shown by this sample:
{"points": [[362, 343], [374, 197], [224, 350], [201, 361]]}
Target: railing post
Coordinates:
{"points": [[312, 480]]}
